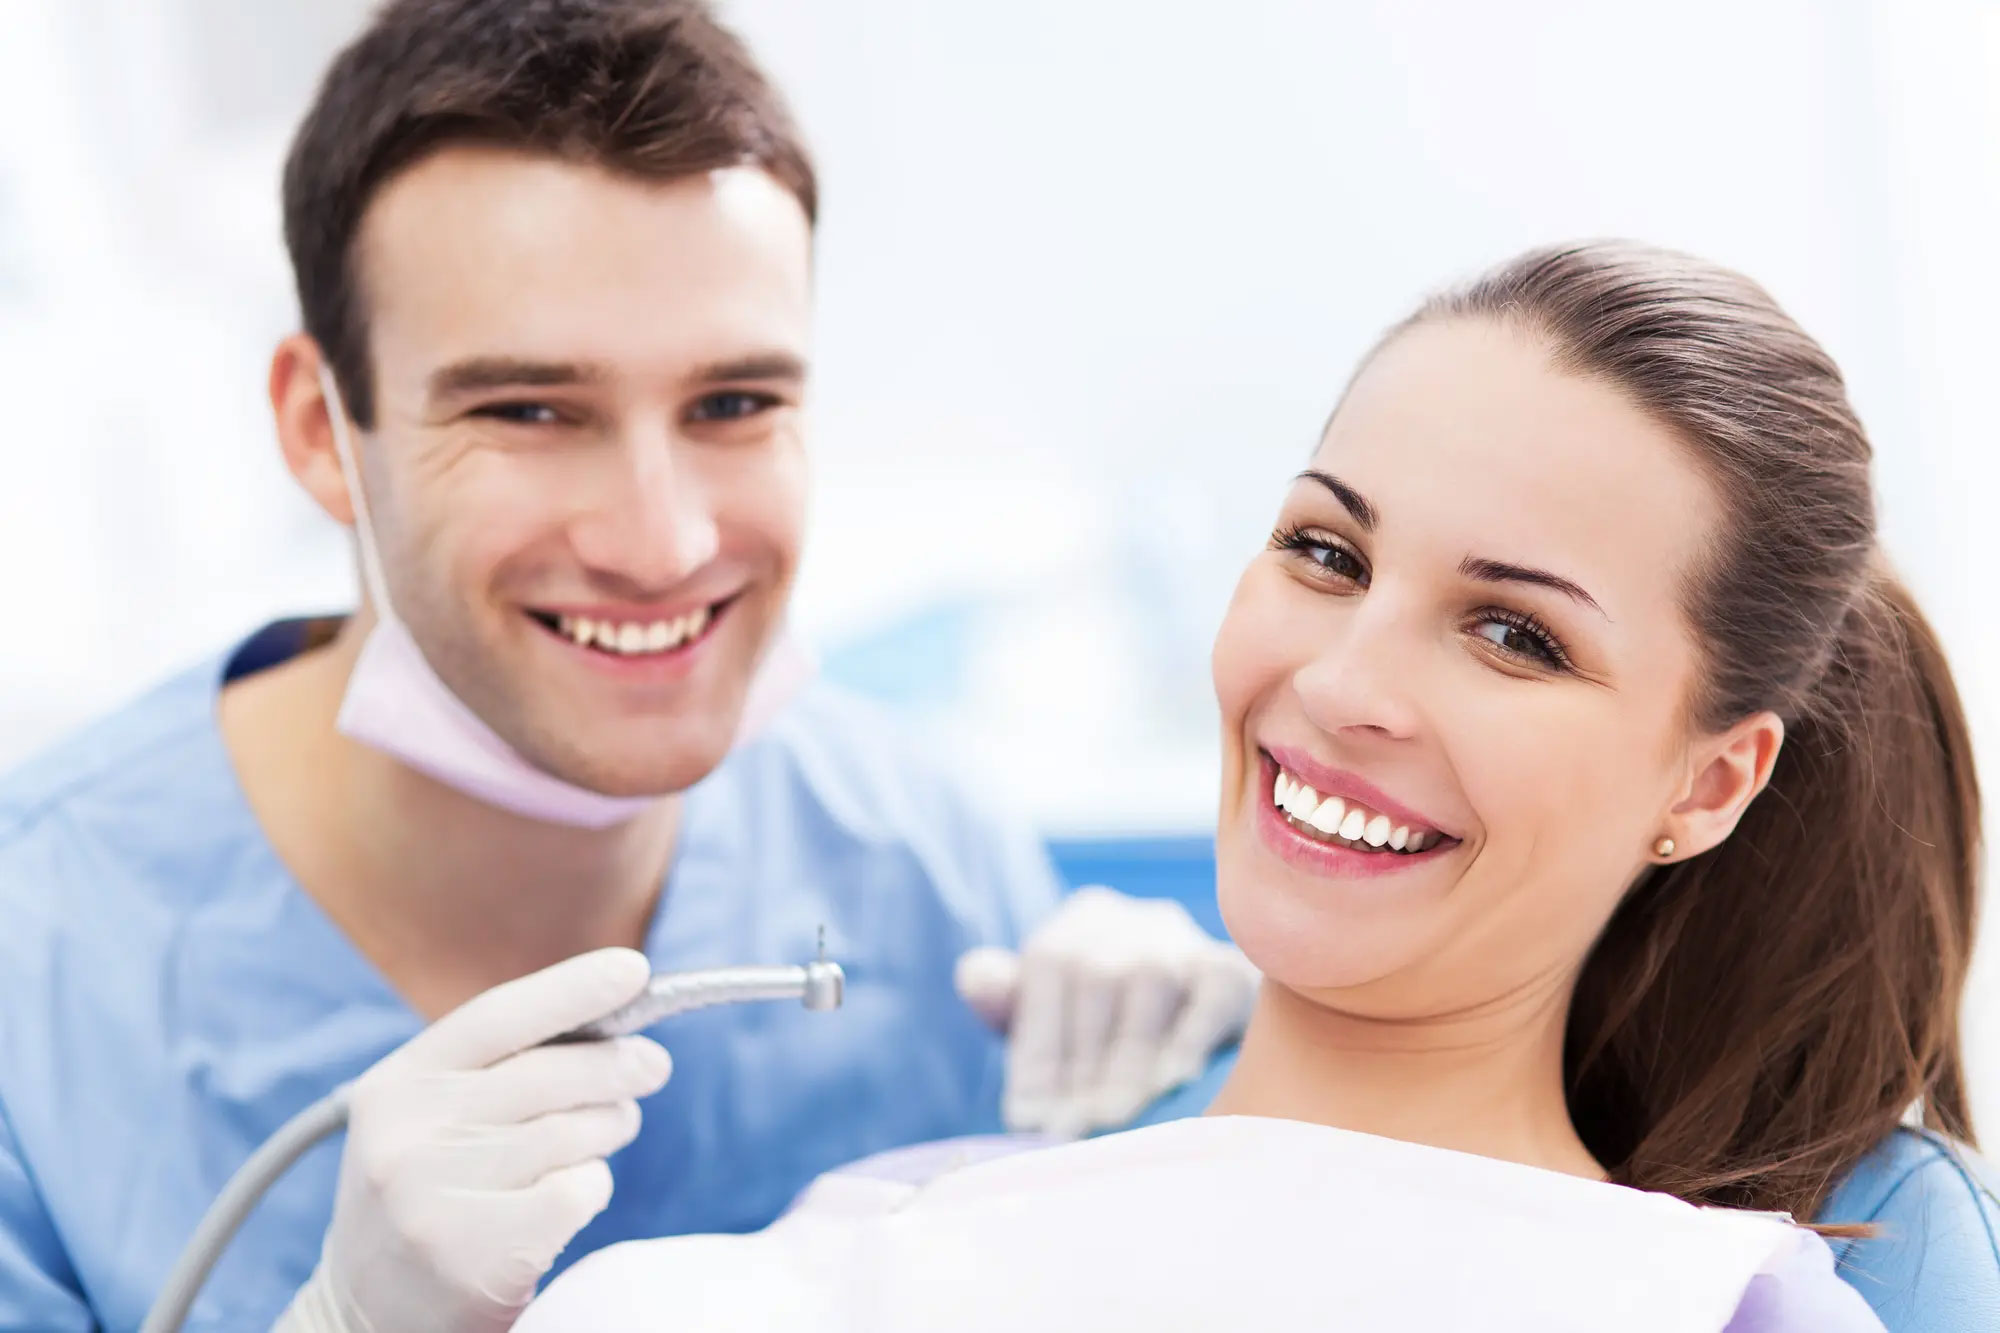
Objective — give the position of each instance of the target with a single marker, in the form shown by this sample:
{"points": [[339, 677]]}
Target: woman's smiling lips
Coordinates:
{"points": [[1330, 822]]}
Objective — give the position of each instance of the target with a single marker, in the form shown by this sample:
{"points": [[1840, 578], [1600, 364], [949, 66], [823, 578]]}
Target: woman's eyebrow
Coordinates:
{"points": [[1472, 567], [1350, 499], [1499, 571]]}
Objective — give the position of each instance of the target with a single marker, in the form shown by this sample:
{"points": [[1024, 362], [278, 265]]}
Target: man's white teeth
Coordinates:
{"points": [[633, 638], [1336, 818]]}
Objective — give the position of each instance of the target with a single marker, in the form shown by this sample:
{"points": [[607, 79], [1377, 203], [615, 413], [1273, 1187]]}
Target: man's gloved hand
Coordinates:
{"points": [[1112, 1003], [474, 1154]]}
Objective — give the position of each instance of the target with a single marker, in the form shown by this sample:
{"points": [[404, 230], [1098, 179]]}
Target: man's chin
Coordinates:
{"points": [[629, 770]]}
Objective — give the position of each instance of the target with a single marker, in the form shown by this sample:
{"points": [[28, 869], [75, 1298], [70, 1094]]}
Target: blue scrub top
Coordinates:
{"points": [[169, 996]]}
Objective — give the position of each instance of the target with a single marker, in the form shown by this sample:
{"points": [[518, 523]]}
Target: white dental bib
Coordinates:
{"points": [[1208, 1224]]}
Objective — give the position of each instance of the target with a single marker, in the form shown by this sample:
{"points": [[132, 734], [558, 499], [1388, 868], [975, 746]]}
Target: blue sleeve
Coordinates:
{"points": [[37, 1290], [1934, 1266]]}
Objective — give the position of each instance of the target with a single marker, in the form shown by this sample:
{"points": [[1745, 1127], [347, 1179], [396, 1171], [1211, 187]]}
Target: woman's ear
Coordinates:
{"points": [[1728, 772], [299, 408]]}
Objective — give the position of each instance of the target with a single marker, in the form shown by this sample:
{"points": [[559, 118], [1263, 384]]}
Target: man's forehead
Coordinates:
{"points": [[483, 252]]}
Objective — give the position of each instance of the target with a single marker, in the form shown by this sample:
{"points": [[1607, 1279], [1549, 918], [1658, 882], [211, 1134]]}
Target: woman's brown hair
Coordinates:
{"points": [[1754, 1019]]}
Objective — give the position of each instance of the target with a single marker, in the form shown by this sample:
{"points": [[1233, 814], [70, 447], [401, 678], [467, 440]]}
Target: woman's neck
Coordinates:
{"points": [[1486, 1081]]}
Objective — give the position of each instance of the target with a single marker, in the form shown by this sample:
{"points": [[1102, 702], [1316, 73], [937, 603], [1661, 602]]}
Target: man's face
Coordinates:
{"points": [[586, 473]]}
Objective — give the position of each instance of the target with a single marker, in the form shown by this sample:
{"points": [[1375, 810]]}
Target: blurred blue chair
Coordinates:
{"points": [[1933, 1267]]}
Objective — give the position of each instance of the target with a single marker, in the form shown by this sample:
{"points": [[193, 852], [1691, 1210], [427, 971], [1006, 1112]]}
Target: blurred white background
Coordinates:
{"points": [[1092, 272]]}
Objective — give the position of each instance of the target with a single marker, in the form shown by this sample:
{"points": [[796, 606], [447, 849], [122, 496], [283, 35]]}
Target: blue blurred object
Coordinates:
{"points": [[915, 663], [1182, 869]]}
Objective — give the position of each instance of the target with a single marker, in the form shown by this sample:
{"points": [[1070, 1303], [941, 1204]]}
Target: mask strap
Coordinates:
{"points": [[350, 468]]}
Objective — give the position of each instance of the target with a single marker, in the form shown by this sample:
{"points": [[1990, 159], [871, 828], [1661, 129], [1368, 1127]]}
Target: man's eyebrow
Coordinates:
{"points": [[482, 373], [1350, 499], [478, 373], [767, 366], [1499, 571]]}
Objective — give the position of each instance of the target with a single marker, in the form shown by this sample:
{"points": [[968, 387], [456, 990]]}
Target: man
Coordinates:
{"points": [[554, 266]]}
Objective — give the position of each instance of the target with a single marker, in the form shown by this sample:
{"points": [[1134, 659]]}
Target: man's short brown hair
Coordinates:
{"points": [[655, 88]]}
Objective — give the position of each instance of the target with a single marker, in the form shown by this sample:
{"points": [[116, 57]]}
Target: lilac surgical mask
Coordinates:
{"points": [[397, 704]]}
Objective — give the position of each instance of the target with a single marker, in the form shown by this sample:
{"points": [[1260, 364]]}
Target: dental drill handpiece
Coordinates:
{"points": [[819, 984]]}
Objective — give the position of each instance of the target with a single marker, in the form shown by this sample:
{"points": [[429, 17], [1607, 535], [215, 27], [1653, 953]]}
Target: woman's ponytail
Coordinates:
{"points": [[1755, 1019]]}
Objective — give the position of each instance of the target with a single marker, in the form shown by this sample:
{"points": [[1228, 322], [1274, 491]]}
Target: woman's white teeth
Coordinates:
{"points": [[1327, 818], [633, 638], [1299, 801], [1336, 818]]}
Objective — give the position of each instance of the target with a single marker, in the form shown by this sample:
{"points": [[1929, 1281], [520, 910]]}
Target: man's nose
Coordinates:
{"points": [[652, 523], [1364, 680]]}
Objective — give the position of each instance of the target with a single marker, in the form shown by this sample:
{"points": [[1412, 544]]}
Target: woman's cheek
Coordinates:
{"points": [[1251, 652]]}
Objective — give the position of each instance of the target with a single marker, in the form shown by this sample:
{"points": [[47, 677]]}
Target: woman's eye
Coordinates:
{"points": [[1523, 641], [732, 406], [1322, 553], [1338, 560], [519, 414]]}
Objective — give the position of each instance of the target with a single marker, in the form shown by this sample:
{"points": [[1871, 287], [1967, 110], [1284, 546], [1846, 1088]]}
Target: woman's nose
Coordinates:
{"points": [[653, 523], [1364, 678]]}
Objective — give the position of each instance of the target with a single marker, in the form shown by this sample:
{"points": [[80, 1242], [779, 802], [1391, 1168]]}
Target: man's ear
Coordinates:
{"points": [[300, 409], [1728, 772]]}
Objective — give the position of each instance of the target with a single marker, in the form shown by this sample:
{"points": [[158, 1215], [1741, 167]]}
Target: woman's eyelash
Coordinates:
{"points": [[1321, 549], [1547, 647]]}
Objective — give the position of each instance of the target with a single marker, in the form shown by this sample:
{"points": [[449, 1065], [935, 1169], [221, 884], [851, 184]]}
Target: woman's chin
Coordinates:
{"points": [[1317, 947]]}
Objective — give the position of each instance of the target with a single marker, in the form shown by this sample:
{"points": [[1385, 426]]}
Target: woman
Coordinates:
{"points": [[1585, 562], [1593, 797]]}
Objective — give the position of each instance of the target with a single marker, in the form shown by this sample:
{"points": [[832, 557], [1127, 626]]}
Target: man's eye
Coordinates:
{"points": [[519, 414], [731, 406]]}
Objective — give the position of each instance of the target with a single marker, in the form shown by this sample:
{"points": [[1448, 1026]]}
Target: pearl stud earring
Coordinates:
{"points": [[1664, 847]]}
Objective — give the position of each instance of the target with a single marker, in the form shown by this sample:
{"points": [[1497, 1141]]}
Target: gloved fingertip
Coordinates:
{"points": [[1066, 1124], [622, 966], [1176, 1072], [1025, 1115], [652, 1064], [988, 979]]}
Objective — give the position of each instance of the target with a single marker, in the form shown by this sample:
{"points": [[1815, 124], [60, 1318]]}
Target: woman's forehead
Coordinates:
{"points": [[1464, 434]]}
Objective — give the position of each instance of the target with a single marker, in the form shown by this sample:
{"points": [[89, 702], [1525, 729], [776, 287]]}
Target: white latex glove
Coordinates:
{"points": [[1114, 1002], [474, 1154]]}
